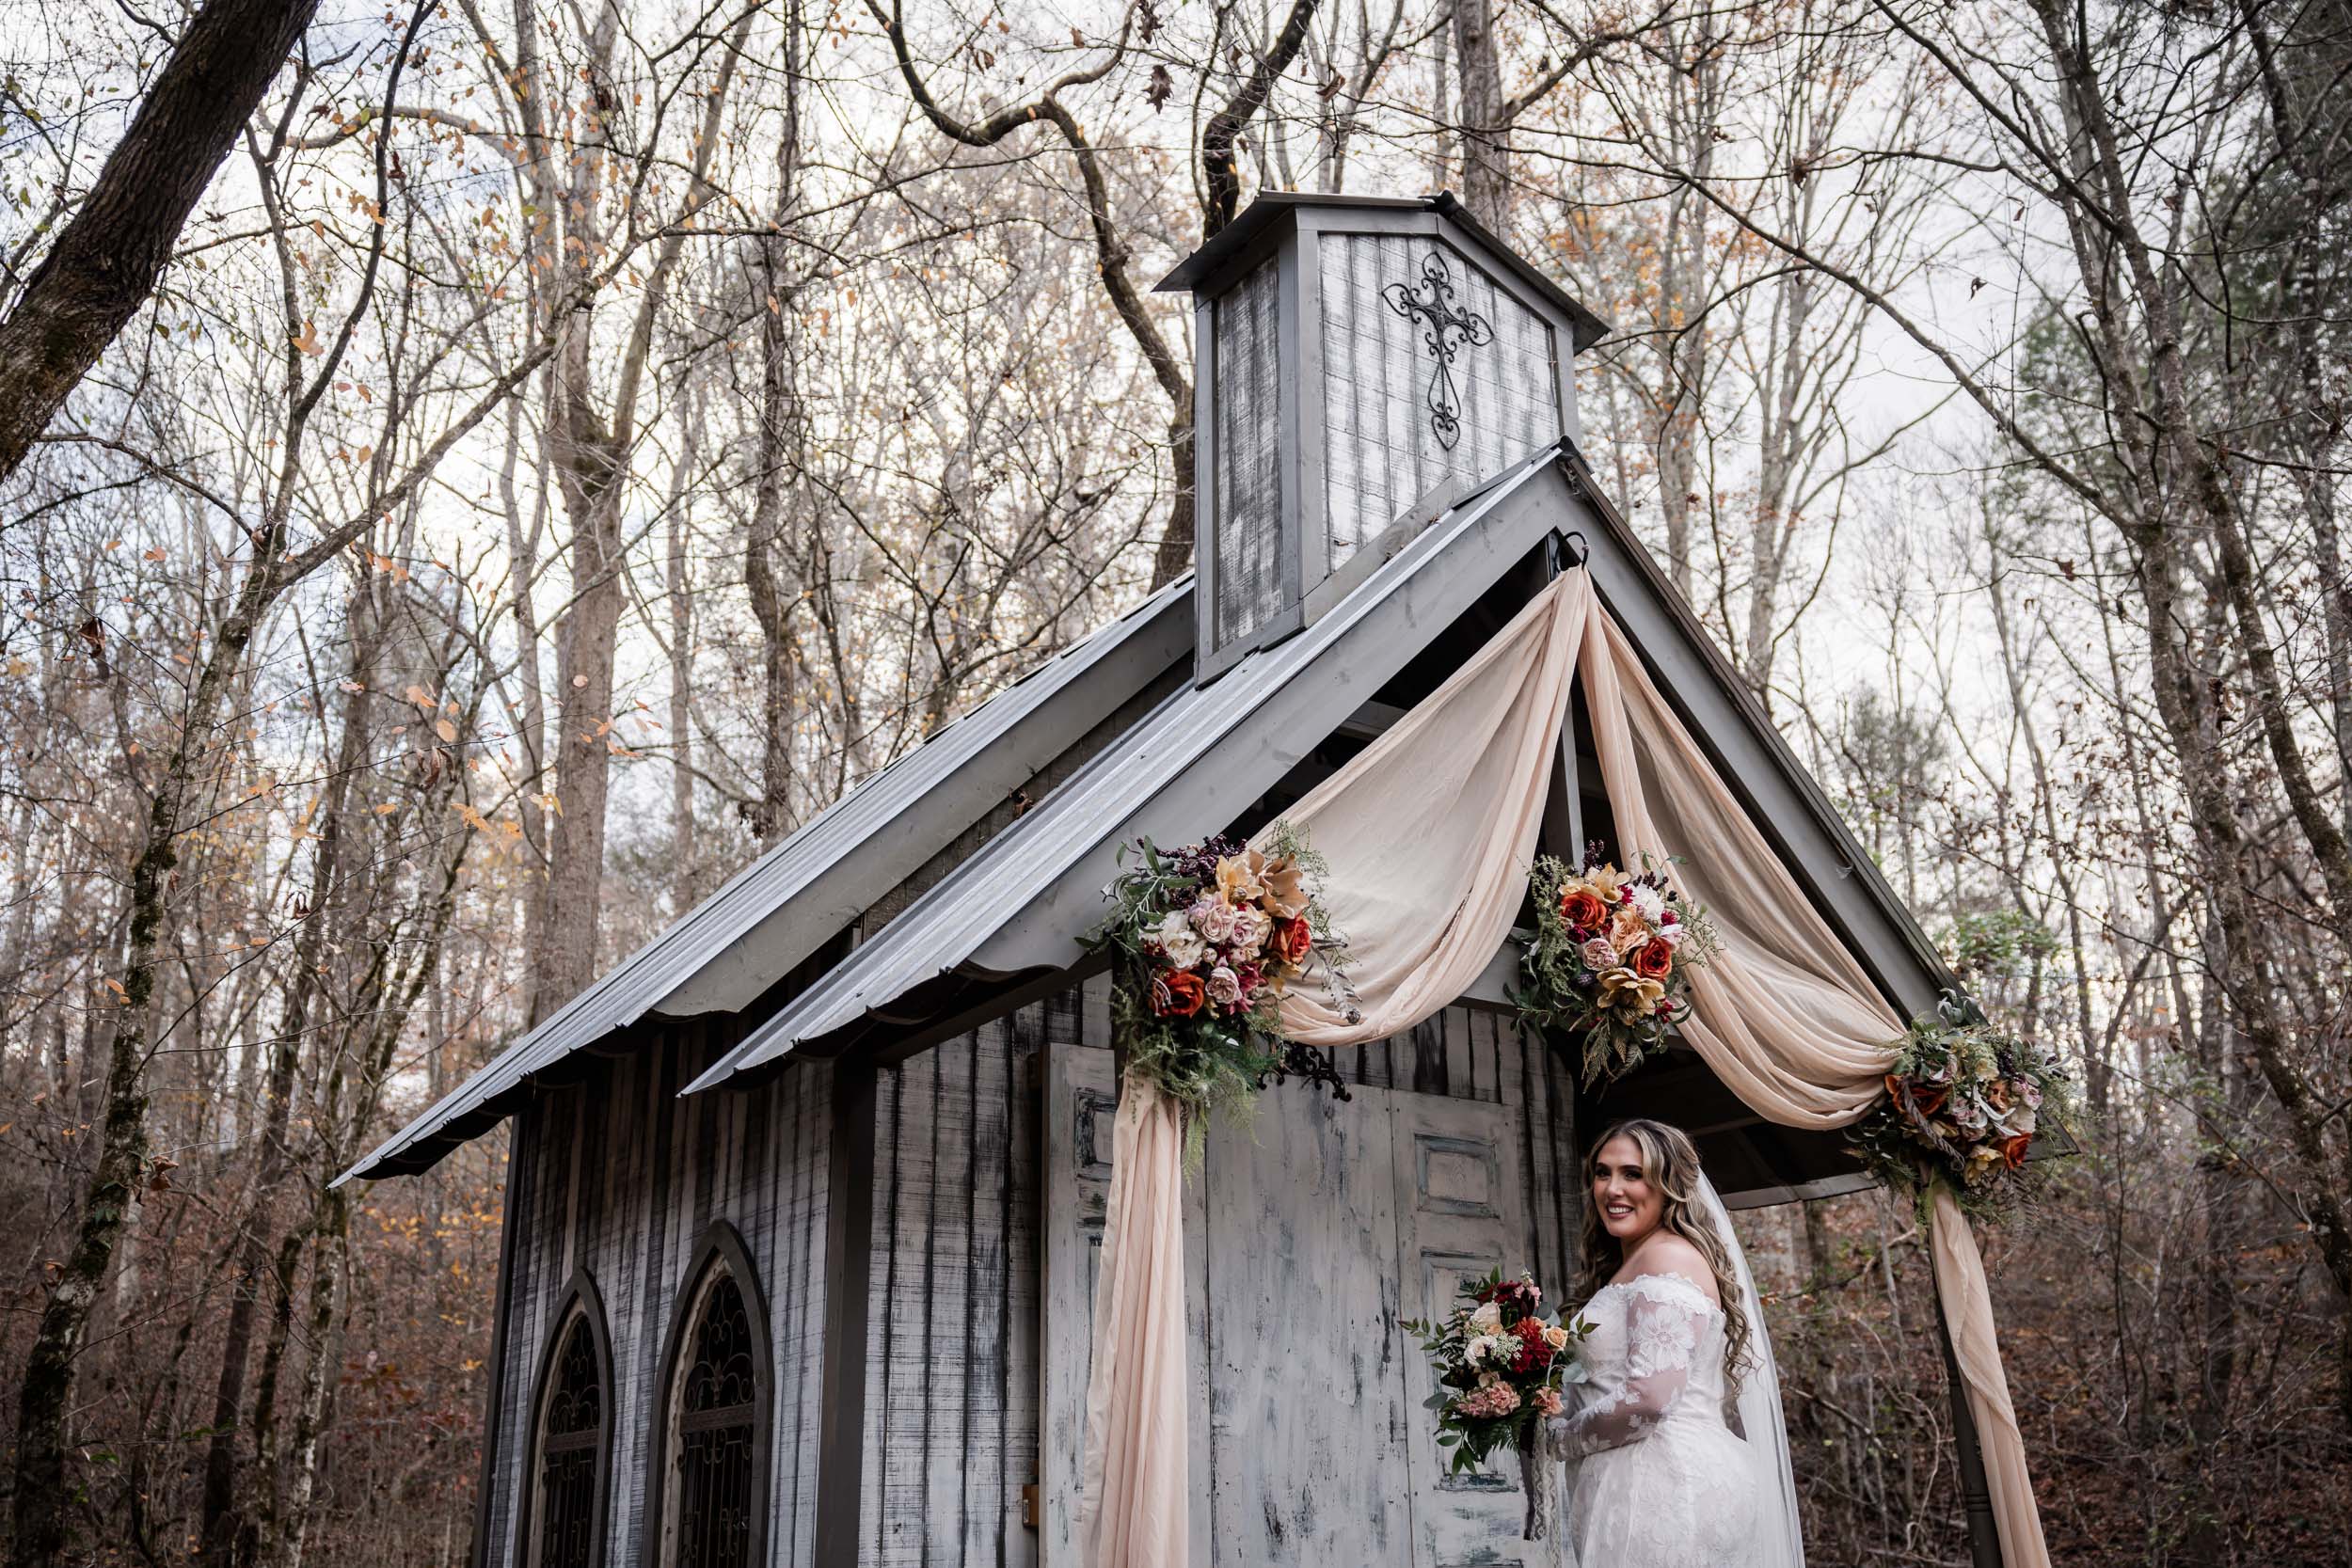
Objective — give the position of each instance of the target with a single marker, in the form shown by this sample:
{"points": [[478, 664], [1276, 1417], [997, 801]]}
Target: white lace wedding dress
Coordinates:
{"points": [[1660, 1480]]}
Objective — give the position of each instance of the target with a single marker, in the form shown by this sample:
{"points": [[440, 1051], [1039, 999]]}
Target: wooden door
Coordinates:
{"points": [[1309, 1238], [1306, 1409], [1461, 1202]]}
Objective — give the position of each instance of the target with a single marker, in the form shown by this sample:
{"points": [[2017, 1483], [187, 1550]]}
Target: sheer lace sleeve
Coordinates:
{"points": [[1662, 1330]]}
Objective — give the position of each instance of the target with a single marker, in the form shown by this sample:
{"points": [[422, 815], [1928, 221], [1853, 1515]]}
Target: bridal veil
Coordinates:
{"points": [[1781, 1544]]}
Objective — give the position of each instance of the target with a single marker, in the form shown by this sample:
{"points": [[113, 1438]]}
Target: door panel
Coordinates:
{"points": [[1306, 1409], [1460, 1215]]}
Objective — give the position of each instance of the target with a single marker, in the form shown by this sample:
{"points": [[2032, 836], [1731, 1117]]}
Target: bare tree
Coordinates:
{"points": [[105, 263]]}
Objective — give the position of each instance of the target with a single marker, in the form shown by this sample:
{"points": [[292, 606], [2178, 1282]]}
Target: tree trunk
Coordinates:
{"points": [[1485, 131], [104, 265], [45, 1400], [593, 487], [779, 453], [221, 1520]]}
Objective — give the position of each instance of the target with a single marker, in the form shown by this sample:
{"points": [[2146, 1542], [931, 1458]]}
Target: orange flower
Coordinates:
{"points": [[1653, 960], [2013, 1150], [1581, 908], [1178, 994], [1291, 941], [1927, 1099]]}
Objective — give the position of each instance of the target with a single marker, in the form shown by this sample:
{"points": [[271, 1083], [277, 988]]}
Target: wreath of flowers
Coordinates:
{"points": [[1499, 1366], [1965, 1100], [1204, 941], [1610, 958]]}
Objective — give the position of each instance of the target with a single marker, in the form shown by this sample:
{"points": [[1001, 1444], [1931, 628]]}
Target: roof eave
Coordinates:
{"points": [[772, 915]]}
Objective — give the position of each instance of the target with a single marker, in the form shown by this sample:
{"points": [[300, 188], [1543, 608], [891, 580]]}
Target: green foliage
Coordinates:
{"points": [[2002, 943]]}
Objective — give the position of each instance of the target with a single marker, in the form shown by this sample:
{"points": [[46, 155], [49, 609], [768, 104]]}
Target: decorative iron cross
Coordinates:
{"points": [[1445, 331]]}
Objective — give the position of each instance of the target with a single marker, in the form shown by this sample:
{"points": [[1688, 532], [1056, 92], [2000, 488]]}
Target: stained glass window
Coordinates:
{"points": [[712, 1448], [571, 1450]]}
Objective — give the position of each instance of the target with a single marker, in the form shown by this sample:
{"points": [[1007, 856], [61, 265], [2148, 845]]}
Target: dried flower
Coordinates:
{"points": [[1285, 887]]}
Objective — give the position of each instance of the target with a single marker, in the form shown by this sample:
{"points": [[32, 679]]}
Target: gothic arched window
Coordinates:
{"points": [[714, 1480], [564, 1522]]}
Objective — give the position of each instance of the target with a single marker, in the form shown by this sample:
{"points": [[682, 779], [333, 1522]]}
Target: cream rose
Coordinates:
{"points": [[1180, 942]]}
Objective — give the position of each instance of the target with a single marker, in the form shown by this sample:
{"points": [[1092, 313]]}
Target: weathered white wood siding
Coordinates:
{"points": [[618, 1176], [951, 1393]]}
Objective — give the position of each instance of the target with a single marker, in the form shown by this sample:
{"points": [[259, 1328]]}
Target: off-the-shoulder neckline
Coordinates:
{"points": [[1682, 1279]]}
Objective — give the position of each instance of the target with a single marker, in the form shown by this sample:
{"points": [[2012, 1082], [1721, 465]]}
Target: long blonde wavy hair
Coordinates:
{"points": [[1670, 1163]]}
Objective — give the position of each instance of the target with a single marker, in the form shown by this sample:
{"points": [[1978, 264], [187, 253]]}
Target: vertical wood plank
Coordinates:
{"points": [[848, 1238]]}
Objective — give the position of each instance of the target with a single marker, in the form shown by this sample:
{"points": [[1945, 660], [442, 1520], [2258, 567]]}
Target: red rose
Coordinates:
{"points": [[1291, 941], [1534, 1352], [2013, 1150], [1177, 994], [1653, 960], [1583, 910]]}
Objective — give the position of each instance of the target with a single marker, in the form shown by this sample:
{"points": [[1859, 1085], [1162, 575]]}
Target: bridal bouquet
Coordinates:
{"points": [[1499, 1366], [1204, 941], [1964, 1102], [1610, 958]]}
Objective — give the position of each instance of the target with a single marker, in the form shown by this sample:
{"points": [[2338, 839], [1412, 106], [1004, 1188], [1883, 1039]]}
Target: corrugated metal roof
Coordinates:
{"points": [[1049, 865], [780, 902]]}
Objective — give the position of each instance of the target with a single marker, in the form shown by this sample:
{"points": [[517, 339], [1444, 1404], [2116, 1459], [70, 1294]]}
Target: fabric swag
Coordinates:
{"points": [[1429, 835]]}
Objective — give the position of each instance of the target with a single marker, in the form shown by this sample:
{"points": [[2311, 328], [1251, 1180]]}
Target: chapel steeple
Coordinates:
{"points": [[1358, 363]]}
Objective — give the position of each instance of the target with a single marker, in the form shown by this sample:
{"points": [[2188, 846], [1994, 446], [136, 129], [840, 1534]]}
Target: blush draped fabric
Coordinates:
{"points": [[1134, 1477], [1430, 834]]}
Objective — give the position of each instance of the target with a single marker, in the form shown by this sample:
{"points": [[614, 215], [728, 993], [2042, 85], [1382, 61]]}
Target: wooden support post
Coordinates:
{"points": [[848, 1277], [1985, 1537]]}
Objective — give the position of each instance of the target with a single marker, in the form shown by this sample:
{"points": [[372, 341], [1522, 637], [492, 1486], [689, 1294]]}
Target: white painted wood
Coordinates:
{"points": [[1306, 1410], [1460, 1212], [1078, 1112]]}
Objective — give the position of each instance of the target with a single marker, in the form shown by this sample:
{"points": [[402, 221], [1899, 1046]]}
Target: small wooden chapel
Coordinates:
{"points": [[805, 1197]]}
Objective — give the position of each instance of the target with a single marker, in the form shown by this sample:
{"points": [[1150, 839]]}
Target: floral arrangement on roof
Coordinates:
{"points": [[1965, 1102], [1499, 1367], [1204, 941], [1610, 958]]}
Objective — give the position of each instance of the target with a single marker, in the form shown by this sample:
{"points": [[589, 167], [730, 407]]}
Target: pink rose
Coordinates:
{"points": [[1224, 987], [1597, 954], [1214, 919]]}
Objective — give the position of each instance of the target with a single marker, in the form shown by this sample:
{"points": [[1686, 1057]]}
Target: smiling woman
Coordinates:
{"points": [[1665, 1474]]}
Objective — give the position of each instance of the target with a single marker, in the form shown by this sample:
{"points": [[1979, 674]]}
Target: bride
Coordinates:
{"points": [[1662, 1480]]}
